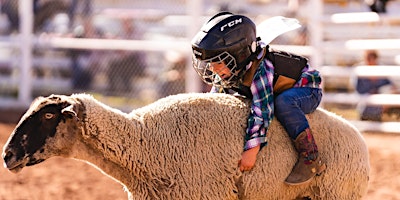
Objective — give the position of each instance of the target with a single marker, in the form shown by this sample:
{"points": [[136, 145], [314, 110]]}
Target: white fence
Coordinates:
{"points": [[25, 42]]}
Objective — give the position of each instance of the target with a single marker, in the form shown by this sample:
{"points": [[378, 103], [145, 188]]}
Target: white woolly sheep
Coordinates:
{"points": [[186, 146]]}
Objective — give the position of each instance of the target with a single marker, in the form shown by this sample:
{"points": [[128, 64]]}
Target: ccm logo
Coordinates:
{"points": [[197, 53], [231, 23]]}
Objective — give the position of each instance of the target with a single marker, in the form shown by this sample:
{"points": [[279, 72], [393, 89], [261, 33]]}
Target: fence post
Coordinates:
{"points": [[25, 43], [316, 32], [194, 9]]}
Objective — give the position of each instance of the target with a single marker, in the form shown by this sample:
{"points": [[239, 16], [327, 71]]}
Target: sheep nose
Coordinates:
{"points": [[7, 155]]}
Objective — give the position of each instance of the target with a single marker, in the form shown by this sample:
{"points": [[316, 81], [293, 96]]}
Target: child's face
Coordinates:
{"points": [[221, 69]]}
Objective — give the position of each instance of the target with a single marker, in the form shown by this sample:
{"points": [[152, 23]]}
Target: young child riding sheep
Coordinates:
{"points": [[228, 55]]}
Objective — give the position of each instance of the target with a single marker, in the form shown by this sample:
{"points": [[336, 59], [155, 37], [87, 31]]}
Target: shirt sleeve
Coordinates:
{"points": [[309, 78], [262, 106]]}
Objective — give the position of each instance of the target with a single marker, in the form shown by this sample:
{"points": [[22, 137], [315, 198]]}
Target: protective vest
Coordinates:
{"points": [[288, 68]]}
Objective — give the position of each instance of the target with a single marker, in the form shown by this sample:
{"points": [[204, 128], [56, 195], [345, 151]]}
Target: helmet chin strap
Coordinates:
{"points": [[248, 76]]}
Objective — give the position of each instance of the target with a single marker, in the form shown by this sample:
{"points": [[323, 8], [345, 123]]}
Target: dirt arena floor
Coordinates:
{"points": [[66, 179]]}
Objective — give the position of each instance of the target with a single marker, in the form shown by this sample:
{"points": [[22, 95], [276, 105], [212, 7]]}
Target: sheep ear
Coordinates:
{"points": [[69, 110], [74, 108]]}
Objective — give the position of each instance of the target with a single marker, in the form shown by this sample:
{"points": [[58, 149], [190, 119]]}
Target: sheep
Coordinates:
{"points": [[186, 146]]}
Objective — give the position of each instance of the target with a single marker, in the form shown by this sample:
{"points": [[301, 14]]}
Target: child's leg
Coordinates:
{"points": [[292, 105], [290, 109]]}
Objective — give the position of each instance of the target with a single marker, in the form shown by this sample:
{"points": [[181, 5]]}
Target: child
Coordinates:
{"points": [[228, 55]]}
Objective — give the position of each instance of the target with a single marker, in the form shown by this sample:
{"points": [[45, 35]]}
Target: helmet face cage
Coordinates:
{"points": [[211, 77]]}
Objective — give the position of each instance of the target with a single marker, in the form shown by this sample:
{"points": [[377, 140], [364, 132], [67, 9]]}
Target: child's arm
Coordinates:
{"points": [[248, 159]]}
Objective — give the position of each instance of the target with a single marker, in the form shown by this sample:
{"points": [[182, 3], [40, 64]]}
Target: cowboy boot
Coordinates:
{"points": [[309, 164]]}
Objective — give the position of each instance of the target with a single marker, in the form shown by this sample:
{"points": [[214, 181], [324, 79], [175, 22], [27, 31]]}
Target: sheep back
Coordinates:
{"points": [[197, 140]]}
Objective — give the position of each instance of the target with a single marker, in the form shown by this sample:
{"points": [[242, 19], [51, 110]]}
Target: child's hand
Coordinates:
{"points": [[248, 159]]}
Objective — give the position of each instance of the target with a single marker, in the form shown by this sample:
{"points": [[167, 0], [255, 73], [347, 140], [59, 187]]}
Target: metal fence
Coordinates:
{"points": [[128, 53]]}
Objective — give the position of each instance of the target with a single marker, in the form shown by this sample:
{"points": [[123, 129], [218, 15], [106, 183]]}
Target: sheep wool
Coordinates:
{"points": [[187, 146]]}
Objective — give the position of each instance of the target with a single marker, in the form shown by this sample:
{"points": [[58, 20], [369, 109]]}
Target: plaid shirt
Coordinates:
{"points": [[262, 107]]}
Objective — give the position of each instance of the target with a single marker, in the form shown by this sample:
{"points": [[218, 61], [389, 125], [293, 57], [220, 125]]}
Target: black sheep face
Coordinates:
{"points": [[27, 143]]}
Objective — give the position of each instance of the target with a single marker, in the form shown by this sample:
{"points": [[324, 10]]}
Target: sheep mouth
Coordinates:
{"points": [[16, 169], [12, 162], [15, 166]]}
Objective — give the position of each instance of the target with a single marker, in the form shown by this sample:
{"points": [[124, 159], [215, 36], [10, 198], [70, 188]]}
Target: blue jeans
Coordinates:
{"points": [[292, 105]]}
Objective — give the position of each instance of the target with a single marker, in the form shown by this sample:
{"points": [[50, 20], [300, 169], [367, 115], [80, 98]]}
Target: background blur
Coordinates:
{"points": [[131, 53]]}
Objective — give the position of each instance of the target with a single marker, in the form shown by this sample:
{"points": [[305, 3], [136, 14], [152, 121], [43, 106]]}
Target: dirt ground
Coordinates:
{"points": [[66, 179]]}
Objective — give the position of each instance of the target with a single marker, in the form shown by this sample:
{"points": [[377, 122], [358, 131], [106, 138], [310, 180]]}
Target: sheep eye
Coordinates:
{"points": [[48, 115]]}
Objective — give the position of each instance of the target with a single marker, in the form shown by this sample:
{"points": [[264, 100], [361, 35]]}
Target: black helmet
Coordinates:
{"points": [[226, 38]]}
